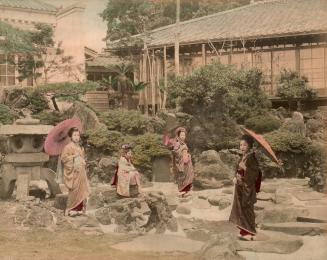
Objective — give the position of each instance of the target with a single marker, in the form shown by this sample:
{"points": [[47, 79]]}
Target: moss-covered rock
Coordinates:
{"points": [[263, 123], [51, 117], [301, 157], [130, 122], [287, 142], [104, 141]]}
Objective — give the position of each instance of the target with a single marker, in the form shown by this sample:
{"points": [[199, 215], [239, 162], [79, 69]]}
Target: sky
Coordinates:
{"points": [[95, 27]]}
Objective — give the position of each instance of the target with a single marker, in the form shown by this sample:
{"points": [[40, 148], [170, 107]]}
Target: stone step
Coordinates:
{"points": [[297, 228], [311, 220]]}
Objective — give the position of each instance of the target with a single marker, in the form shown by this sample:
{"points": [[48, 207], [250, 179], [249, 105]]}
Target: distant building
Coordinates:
{"points": [[68, 27], [269, 35]]}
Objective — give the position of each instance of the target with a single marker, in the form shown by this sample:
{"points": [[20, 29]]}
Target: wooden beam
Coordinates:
{"points": [[204, 62]]}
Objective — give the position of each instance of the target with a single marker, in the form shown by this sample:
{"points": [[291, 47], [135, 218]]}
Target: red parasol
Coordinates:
{"points": [[58, 136], [263, 143]]}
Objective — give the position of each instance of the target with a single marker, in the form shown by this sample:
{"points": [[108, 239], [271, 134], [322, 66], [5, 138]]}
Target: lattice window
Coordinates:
{"points": [[7, 70], [312, 65]]}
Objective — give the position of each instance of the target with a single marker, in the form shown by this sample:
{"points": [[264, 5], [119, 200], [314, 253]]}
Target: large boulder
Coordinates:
{"points": [[100, 196], [222, 246], [295, 124], [138, 215], [230, 157], [87, 116], [211, 172], [280, 214]]}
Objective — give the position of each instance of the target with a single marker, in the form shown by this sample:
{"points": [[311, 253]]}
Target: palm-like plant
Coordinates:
{"points": [[138, 86], [122, 76]]}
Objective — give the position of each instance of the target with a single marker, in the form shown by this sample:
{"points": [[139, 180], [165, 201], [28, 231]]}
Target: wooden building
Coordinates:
{"points": [[269, 35]]}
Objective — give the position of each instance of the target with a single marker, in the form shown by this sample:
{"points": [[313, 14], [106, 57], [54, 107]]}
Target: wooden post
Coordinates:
{"points": [[272, 72], [152, 81], [297, 59], [204, 61], [158, 74], [140, 78], [146, 88], [178, 4], [165, 79]]}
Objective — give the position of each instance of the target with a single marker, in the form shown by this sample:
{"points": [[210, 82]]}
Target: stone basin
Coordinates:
{"points": [[25, 126]]}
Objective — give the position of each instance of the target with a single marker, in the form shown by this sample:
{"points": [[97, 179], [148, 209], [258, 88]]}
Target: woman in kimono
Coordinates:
{"points": [[126, 174], [247, 183], [182, 163], [75, 178]]}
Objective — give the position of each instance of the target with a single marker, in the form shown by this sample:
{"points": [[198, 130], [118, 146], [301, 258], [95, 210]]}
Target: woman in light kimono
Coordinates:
{"points": [[75, 178], [247, 183], [182, 163], [126, 174]]}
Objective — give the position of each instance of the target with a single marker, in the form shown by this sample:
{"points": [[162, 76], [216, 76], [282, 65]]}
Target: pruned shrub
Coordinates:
{"points": [[263, 123]]}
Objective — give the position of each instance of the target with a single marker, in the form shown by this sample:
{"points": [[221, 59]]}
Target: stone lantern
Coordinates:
{"points": [[25, 159]]}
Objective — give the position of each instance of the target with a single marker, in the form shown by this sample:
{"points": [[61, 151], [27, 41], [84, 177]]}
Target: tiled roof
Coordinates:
{"points": [[266, 19], [102, 61], [29, 4]]}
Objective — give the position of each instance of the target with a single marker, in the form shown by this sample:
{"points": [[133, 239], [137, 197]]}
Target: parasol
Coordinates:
{"points": [[263, 143], [58, 136]]}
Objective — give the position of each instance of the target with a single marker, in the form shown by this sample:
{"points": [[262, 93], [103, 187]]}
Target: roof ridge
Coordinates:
{"points": [[217, 14], [23, 4]]}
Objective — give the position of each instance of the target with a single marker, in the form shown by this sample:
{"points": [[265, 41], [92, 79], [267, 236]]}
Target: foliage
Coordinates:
{"points": [[246, 99], [146, 148], [6, 117], [15, 40], [126, 18], [104, 140], [36, 100], [50, 117], [220, 87], [122, 75], [72, 91], [263, 123], [129, 122], [287, 142], [293, 86], [46, 57]]}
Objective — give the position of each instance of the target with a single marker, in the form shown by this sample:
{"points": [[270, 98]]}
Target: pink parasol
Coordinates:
{"points": [[263, 143], [58, 136]]}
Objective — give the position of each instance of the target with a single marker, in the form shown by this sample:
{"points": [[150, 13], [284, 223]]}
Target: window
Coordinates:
{"points": [[262, 61], [7, 70], [312, 65]]}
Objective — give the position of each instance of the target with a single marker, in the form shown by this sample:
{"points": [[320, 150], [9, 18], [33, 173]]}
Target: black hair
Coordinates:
{"points": [[72, 131], [248, 139]]}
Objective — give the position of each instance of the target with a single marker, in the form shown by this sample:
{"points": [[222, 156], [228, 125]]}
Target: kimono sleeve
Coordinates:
{"points": [[252, 170], [124, 165], [67, 157]]}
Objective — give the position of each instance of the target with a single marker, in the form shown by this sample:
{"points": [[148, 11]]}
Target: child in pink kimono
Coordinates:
{"points": [[126, 174]]}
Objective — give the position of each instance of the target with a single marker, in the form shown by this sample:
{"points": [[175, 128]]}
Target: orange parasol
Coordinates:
{"points": [[263, 143]]}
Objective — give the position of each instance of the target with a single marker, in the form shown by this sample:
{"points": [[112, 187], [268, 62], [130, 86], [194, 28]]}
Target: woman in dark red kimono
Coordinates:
{"points": [[247, 183]]}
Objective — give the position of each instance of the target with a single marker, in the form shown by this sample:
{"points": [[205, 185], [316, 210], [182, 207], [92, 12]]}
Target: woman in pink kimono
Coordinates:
{"points": [[75, 178], [182, 163], [126, 174]]}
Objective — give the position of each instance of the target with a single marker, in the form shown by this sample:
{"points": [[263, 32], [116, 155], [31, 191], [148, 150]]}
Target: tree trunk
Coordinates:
{"points": [[55, 105]]}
